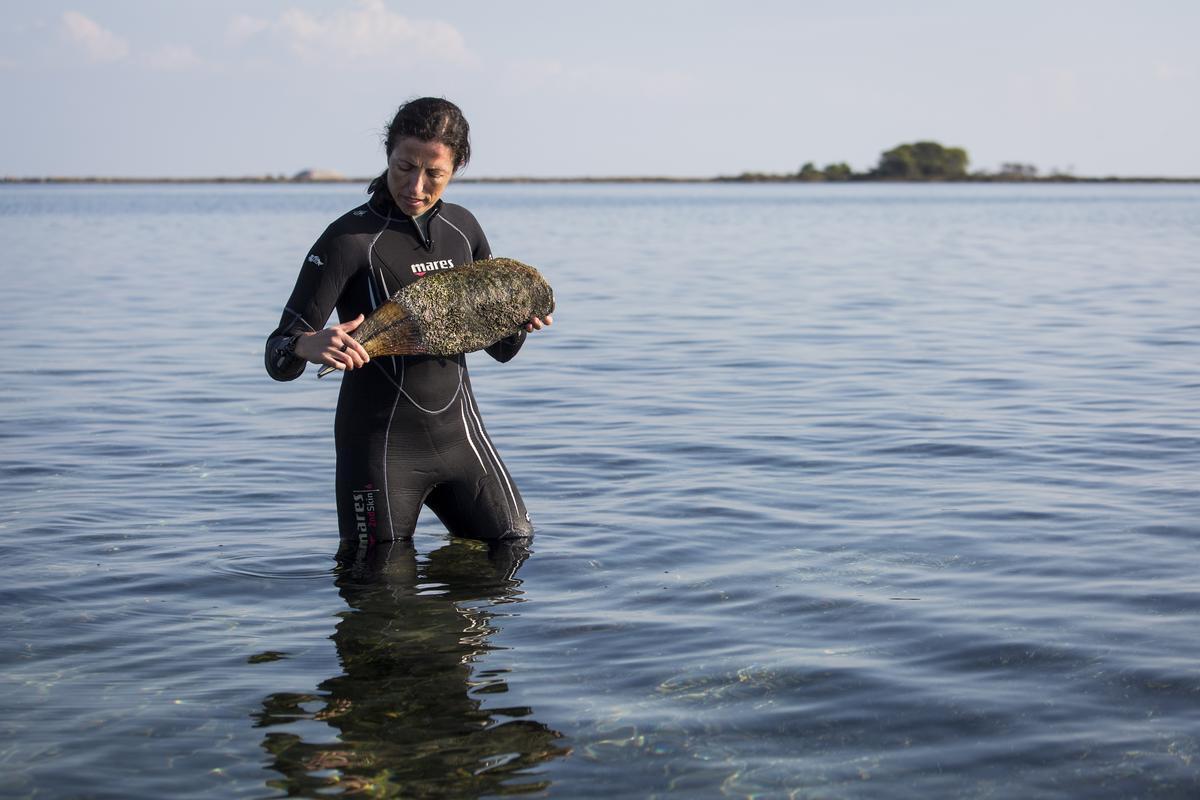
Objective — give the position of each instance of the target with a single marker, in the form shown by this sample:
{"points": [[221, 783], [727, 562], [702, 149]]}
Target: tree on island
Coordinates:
{"points": [[809, 172], [838, 172], [922, 161], [1013, 171], [832, 172], [919, 161]]}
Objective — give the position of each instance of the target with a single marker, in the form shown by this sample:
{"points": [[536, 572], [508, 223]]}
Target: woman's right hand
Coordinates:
{"points": [[334, 346]]}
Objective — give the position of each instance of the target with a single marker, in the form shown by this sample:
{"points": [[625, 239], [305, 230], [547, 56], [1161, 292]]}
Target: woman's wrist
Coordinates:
{"points": [[294, 344], [282, 358]]}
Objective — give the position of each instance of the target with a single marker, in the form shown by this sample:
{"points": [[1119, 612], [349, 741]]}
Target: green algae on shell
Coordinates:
{"points": [[456, 311]]}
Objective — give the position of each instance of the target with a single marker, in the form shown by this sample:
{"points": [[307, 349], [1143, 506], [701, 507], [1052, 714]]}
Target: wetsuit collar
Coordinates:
{"points": [[381, 201], [424, 222]]}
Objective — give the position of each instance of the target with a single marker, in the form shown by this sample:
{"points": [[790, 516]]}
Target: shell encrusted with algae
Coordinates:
{"points": [[457, 311]]}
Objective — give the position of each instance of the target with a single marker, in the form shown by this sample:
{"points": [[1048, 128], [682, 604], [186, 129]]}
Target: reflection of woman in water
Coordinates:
{"points": [[408, 708], [408, 431]]}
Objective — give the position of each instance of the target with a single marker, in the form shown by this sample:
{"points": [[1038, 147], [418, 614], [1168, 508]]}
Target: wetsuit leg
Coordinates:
{"points": [[394, 457], [479, 511], [381, 480], [372, 506], [476, 497]]}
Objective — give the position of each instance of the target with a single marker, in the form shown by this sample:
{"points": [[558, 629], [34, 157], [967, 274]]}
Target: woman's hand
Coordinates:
{"points": [[536, 324], [333, 347]]}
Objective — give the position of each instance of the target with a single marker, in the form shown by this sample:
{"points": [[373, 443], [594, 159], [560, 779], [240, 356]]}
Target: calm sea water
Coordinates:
{"points": [[841, 492]]}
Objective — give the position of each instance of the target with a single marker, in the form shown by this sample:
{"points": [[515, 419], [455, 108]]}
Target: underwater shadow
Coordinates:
{"points": [[412, 714]]}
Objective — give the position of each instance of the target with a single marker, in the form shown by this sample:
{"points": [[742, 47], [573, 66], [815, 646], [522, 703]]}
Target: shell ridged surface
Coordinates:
{"points": [[459, 310]]}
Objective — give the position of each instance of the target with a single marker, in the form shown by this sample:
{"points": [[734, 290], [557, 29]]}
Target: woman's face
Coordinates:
{"points": [[418, 173]]}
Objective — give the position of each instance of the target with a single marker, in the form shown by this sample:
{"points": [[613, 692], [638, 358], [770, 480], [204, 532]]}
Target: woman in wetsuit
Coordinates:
{"points": [[408, 431]]}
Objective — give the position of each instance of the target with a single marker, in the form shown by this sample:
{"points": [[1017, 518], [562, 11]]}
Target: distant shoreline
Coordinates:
{"points": [[753, 178]]}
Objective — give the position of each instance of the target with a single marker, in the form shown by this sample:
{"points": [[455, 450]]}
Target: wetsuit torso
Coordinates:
{"points": [[408, 431]]}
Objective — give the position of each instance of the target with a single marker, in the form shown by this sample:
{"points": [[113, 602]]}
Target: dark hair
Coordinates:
{"points": [[429, 119]]}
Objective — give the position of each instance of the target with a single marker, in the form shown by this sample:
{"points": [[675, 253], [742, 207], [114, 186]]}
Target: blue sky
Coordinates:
{"points": [[142, 88]]}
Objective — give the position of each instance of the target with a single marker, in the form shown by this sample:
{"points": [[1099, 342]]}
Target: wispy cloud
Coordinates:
{"points": [[368, 33], [98, 43]]}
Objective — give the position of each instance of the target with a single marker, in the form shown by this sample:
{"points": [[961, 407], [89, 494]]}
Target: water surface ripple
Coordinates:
{"points": [[841, 491]]}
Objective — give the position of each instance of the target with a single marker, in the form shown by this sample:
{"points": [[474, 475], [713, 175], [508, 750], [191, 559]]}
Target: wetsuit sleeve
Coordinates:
{"points": [[506, 348], [320, 283]]}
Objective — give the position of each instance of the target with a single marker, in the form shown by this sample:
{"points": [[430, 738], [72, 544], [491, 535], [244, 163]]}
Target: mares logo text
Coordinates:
{"points": [[432, 266], [365, 519]]}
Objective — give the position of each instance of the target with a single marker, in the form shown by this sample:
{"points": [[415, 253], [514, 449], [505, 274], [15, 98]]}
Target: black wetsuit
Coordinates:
{"points": [[408, 430]]}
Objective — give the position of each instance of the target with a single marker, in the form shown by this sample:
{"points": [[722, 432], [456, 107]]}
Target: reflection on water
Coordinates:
{"points": [[410, 714]]}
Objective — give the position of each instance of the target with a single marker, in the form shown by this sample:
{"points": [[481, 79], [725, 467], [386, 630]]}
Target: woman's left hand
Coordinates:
{"points": [[537, 323]]}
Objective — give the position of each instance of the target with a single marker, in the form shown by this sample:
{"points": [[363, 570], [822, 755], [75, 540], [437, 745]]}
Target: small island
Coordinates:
{"points": [[928, 161]]}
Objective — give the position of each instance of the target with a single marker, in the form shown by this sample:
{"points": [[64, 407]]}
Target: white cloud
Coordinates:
{"points": [[99, 43], [368, 34]]}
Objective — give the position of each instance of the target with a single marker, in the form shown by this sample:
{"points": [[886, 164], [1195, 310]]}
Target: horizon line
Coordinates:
{"points": [[747, 177]]}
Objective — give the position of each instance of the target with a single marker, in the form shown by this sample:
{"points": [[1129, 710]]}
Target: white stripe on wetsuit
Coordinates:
{"points": [[467, 428], [296, 315], [460, 233], [492, 452]]}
